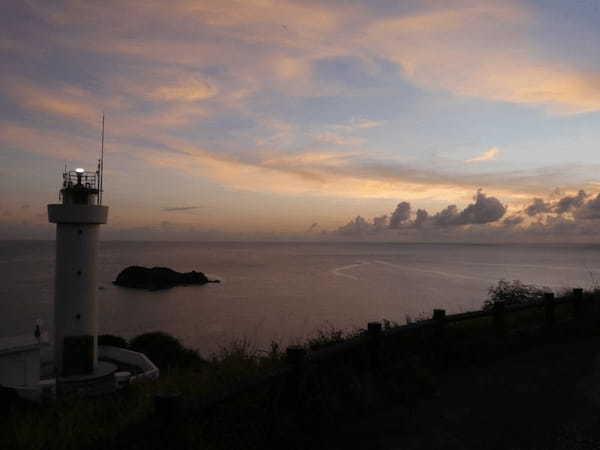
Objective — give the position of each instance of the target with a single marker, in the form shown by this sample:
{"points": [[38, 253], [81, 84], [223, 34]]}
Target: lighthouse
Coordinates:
{"points": [[79, 366], [78, 218]]}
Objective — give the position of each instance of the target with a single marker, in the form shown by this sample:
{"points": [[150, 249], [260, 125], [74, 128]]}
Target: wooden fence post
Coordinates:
{"points": [[374, 344], [295, 355], [439, 317], [578, 304], [500, 319], [549, 309], [439, 346]]}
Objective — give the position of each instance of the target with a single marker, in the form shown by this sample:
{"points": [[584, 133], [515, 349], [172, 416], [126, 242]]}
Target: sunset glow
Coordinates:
{"points": [[259, 118]]}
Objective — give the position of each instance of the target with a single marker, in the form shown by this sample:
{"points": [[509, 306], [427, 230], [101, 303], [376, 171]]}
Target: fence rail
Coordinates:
{"points": [[370, 343]]}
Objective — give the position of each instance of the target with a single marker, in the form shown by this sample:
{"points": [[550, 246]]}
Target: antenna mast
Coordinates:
{"points": [[101, 162]]}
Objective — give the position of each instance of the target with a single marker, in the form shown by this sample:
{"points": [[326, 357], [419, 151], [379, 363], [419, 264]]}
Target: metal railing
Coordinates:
{"points": [[88, 180]]}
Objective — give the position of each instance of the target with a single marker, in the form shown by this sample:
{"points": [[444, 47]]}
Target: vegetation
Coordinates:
{"points": [[112, 340], [165, 351], [514, 293], [328, 336]]}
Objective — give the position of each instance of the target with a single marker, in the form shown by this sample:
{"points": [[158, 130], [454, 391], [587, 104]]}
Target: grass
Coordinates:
{"points": [[72, 423]]}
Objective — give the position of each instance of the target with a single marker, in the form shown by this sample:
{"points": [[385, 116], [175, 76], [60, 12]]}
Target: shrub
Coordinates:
{"points": [[166, 351], [513, 293], [326, 338], [112, 340]]}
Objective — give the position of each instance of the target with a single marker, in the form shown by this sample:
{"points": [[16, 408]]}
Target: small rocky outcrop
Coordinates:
{"points": [[158, 278]]}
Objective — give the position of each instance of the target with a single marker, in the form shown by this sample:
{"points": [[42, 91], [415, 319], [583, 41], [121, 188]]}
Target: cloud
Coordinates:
{"points": [[589, 210], [481, 221], [569, 203], [484, 210], [421, 218], [367, 123], [190, 90], [336, 139], [312, 228], [469, 48], [488, 155], [310, 172], [357, 123], [356, 227], [538, 206], [180, 208], [343, 134], [292, 68], [513, 220], [380, 223], [360, 227], [63, 100], [229, 68], [478, 219], [401, 214], [446, 217], [476, 50], [46, 142], [344, 174], [165, 84]]}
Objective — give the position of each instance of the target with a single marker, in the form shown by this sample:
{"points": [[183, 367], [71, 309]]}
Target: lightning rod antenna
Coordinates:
{"points": [[101, 161]]}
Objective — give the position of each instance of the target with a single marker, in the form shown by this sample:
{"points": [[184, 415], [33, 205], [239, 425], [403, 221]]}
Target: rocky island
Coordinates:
{"points": [[158, 278]]}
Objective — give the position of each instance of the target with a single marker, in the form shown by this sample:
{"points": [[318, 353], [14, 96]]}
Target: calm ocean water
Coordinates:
{"points": [[284, 291]]}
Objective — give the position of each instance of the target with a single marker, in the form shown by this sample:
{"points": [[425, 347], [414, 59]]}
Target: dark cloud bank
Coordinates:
{"points": [[573, 218]]}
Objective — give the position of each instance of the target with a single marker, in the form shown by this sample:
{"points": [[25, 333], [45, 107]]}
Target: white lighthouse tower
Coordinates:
{"points": [[80, 365], [78, 219]]}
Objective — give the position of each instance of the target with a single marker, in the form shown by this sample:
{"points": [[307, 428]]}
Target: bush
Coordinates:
{"points": [[112, 340], [326, 338], [513, 293], [166, 351]]}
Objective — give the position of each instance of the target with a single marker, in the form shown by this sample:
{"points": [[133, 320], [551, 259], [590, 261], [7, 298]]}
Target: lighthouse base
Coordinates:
{"points": [[99, 382]]}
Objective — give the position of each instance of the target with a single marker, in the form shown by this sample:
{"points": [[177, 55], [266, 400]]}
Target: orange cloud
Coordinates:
{"points": [[331, 174], [469, 48], [446, 18], [189, 90], [71, 103], [488, 155], [415, 42], [45, 142], [291, 68], [482, 51], [336, 139]]}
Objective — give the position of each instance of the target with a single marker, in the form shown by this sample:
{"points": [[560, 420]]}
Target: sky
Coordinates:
{"points": [[261, 119]]}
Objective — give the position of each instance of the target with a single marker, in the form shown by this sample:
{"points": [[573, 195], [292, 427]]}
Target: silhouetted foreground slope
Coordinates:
{"points": [[544, 398]]}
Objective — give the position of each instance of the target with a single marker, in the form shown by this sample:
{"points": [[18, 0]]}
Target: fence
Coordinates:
{"points": [[369, 350]]}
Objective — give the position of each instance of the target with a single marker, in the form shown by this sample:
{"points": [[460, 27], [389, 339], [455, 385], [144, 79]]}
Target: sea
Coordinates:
{"points": [[284, 292]]}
